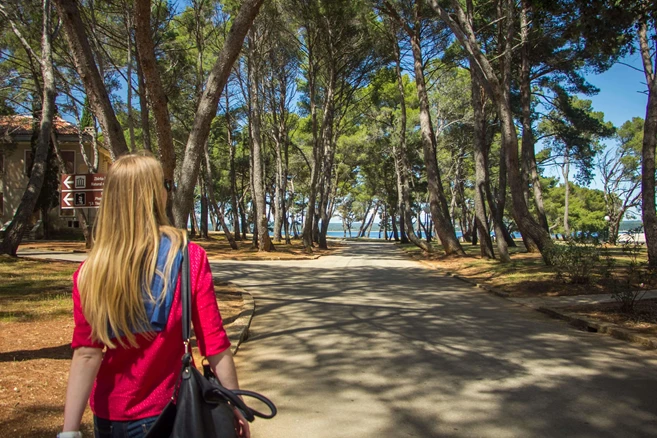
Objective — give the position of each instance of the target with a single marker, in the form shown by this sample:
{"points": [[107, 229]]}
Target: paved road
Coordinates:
{"points": [[370, 344]]}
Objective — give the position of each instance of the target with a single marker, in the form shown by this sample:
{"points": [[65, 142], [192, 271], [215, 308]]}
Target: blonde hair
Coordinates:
{"points": [[122, 263]]}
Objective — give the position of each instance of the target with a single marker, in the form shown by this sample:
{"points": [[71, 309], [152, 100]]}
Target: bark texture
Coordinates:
{"points": [[402, 167], [481, 170], [83, 57], [648, 150], [16, 229], [155, 91], [207, 109], [257, 168], [464, 32], [437, 201]]}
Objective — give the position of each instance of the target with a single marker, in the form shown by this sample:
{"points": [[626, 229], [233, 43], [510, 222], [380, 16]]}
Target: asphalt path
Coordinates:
{"points": [[370, 344]]}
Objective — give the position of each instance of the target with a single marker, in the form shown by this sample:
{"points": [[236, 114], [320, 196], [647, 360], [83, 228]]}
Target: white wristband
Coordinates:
{"points": [[76, 434]]}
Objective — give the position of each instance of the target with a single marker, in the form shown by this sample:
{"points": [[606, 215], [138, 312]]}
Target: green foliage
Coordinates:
{"points": [[573, 131], [573, 262], [639, 277]]}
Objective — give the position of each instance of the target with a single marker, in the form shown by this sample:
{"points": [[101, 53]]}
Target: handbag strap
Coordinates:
{"points": [[186, 292]]}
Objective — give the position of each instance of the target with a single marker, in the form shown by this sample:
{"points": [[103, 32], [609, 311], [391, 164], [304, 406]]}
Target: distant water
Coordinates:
{"points": [[335, 231], [373, 234]]}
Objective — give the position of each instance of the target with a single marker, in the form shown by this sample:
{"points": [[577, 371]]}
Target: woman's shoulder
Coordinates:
{"points": [[196, 251]]}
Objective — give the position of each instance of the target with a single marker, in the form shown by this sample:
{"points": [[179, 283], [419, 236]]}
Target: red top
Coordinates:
{"points": [[135, 383]]}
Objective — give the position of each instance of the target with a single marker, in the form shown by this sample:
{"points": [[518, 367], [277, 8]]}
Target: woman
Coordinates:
{"points": [[127, 301]]}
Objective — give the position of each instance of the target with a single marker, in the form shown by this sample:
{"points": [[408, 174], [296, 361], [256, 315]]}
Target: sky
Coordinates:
{"points": [[620, 96], [620, 99]]}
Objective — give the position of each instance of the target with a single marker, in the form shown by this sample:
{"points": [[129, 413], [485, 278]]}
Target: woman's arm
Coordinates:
{"points": [[84, 368], [223, 367]]}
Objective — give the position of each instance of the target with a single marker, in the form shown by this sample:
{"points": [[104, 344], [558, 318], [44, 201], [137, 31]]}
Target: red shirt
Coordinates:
{"points": [[135, 383]]}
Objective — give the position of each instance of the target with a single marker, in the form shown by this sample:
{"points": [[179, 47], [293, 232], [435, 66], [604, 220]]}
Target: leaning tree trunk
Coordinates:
{"points": [[529, 168], [363, 224], [131, 120], [327, 166], [16, 229], [232, 175], [156, 93], [83, 57], [308, 227], [481, 170], [143, 106], [207, 108], [466, 36], [437, 202], [649, 214], [264, 242], [213, 202], [402, 168]]}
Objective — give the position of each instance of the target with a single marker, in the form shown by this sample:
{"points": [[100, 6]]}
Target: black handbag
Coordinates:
{"points": [[200, 406]]}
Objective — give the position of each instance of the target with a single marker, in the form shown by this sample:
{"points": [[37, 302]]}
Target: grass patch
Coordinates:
{"points": [[34, 290]]}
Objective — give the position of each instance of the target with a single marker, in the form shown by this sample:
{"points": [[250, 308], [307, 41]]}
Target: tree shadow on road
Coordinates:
{"points": [[407, 352]]}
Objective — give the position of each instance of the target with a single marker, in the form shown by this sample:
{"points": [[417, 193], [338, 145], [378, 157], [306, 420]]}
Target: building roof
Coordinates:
{"points": [[14, 126]]}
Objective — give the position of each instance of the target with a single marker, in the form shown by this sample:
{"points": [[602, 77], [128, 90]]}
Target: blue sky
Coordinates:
{"points": [[620, 96]]}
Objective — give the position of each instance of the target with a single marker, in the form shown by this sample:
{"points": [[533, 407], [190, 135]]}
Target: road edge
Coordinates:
{"points": [[238, 330]]}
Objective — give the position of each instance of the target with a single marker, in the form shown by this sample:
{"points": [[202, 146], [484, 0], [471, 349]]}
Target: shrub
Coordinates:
{"points": [[574, 263], [639, 278]]}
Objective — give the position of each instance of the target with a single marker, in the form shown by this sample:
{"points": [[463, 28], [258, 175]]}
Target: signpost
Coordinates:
{"points": [[81, 190]]}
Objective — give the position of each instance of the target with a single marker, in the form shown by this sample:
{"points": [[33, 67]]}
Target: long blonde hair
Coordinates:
{"points": [[122, 263]]}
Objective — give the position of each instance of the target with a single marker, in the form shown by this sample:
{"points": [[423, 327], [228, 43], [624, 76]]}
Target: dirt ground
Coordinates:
{"points": [[642, 320], [35, 354], [216, 246], [528, 276]]}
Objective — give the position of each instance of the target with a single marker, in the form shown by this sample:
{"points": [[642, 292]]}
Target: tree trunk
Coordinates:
{"points": [[233, 177], [371, 223], [566, 171], [467, 37], [143, 106], [207, 108], [529, 169], [363, 224], [86, 67], [194, 224], [131, 121], [79, 214], [395, 232], [402, 228], [204, 232], [264, 242], [437, 201], [649, 214], [481, 170], [327, 166], [213, 203], [308, 227], [402, 167], [16, 229], [156, 93]]}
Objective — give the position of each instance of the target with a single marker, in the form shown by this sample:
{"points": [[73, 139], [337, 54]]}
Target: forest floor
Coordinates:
{"points": [[216, 246], [37, 325], [527, 276]]}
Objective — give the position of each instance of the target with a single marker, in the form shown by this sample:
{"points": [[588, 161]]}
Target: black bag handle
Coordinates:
{"points": [[186, 289], [217, 388]]}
